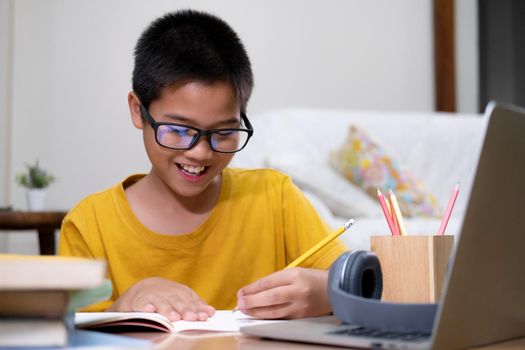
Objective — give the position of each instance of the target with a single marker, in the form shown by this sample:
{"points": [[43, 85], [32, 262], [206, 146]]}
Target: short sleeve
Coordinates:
{"points": [[72, 243], [303, 228]]}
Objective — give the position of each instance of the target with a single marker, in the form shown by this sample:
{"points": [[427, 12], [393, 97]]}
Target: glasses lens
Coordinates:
{"points": [[228, 140], [175, 136]]}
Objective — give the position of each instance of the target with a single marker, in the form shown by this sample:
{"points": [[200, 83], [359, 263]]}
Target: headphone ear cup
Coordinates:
{"points": [[361, 275], [335, 274], [350, 283]]}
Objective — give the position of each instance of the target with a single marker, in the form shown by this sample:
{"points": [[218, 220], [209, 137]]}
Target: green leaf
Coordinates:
{"points": [[35, 177]]}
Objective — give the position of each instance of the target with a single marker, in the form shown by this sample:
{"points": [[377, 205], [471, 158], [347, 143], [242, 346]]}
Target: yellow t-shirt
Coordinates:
{"points": [[261, 223]]}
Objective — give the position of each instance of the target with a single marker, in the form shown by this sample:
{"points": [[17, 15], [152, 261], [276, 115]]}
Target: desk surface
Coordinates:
{"points": [[237, 341]]}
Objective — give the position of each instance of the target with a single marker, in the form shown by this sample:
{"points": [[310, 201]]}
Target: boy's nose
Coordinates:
{"points": [[201, 150]]}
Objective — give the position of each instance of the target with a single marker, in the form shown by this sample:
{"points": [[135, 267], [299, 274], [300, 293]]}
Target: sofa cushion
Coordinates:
{"points": [[367, 165]]}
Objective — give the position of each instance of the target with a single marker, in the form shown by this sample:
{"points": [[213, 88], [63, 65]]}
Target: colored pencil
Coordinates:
{"points": [[399, 217], [386, 212], [448, 211]]}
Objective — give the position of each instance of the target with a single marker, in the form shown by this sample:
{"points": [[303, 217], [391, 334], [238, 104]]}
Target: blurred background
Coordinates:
{"points": [[65, 72]]}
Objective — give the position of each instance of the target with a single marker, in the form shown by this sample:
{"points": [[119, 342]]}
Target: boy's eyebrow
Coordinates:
{"points": [[186, 120]]}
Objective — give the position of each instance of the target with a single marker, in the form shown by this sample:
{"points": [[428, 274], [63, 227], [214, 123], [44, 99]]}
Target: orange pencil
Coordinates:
{"points": [[399, 217], [393, 214]]}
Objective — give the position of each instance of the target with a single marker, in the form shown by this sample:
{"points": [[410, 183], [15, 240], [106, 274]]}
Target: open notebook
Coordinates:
{"points": [[221, 321]]}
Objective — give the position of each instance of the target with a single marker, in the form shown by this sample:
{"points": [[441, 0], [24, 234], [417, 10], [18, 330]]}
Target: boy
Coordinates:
{"points": [[193, 235]]}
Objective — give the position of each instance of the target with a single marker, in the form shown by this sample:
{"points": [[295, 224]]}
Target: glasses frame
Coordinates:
{"points": [[200, 132]]}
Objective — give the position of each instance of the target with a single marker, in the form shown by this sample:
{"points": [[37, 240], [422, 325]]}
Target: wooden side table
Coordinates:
{"points": [[45, 222]]}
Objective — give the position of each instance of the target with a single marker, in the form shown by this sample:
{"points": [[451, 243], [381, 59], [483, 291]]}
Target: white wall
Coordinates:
{"points": [[5, 29], [5, 26], [73, 63]]}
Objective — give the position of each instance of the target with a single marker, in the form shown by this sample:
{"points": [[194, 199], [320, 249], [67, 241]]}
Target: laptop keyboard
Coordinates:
{"points": [[375, 333]]}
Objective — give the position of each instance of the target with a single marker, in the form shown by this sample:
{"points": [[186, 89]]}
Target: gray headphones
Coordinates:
{"points": [[355, 285]]}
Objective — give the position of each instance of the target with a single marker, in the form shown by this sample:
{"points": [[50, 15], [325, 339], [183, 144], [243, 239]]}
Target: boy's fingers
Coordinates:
{"points": [[265, 298], [188, 315], [142, 305], [183, 306], [163, 307], [273, 280], [198, 311], [208, 309], [202, 316], [270, 312], [189, 309]]}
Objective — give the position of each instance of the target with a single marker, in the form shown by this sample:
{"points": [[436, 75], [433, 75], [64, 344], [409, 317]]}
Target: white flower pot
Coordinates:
{"points": [[36, 199]]}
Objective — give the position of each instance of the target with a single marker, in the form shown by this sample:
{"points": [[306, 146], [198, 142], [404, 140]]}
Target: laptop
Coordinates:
{"points": [[484, 294]]}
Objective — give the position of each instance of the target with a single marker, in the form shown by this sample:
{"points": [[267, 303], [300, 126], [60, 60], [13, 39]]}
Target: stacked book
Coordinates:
{"points": [[39, 294]]}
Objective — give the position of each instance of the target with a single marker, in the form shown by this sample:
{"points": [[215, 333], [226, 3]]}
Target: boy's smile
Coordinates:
{"points": [[192, 173], [195, 172], [190, 170]]}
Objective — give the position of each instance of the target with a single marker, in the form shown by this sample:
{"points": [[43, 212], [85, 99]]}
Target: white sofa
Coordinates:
{"points": [[438, 148]]}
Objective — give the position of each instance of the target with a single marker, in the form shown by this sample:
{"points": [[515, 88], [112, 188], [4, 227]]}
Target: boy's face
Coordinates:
{"points": [[189, 173]]}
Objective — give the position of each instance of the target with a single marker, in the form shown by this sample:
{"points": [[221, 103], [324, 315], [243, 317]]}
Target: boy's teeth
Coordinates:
{"points": [[192, 169]]}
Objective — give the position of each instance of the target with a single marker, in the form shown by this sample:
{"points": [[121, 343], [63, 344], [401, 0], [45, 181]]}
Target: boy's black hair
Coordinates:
{"points": [[186, 46]]}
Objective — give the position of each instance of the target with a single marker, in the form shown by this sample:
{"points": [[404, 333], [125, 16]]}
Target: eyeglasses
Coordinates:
{"points": [[184, 137]]}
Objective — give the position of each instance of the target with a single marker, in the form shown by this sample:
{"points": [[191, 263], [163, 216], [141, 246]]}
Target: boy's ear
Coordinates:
{"points": [[134, 109]]}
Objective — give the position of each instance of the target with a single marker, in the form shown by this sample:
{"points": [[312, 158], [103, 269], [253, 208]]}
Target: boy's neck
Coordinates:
{"points": [[163, 211], [163, 195]]}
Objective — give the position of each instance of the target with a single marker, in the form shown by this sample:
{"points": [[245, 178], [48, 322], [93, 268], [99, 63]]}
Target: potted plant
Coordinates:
{"points": [[35, 180]]}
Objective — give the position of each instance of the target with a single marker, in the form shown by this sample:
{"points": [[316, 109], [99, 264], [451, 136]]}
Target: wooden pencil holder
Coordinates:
{"points": [[413, 266]]}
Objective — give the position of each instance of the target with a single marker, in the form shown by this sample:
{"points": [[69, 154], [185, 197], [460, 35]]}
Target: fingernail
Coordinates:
{"points": [[240, 303], [149, 308], [190, 316], [174, 316]]}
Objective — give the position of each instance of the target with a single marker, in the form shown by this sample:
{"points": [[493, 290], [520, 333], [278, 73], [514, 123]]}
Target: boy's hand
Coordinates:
{"points": [[171, 299], [290, 293]]}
